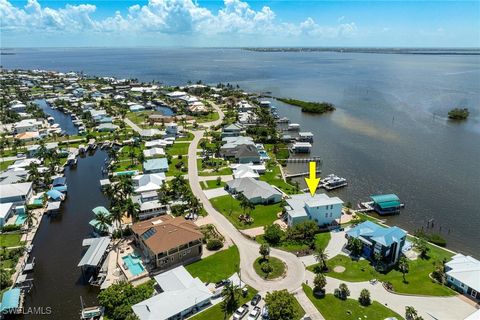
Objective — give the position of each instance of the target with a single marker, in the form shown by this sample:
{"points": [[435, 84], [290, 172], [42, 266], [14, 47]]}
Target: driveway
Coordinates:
{"points": [[213, 193]]}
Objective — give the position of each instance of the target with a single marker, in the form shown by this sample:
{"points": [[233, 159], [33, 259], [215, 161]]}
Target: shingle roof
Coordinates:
{"points": [[168, 232], [252, 188]]}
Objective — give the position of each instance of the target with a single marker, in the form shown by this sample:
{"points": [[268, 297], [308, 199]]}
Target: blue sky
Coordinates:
{"points": [[180, 23]]}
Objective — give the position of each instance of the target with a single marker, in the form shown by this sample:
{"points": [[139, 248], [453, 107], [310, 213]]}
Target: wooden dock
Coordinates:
{"points": [[301, 174], [302, 160]]}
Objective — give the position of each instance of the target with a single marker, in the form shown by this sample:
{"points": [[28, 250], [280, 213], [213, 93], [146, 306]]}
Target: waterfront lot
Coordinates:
{"points": [[333, 308], [230, 207], [417, 279]]}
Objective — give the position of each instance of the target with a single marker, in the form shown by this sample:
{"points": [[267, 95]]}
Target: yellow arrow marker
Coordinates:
{"points": [[312, 181]]}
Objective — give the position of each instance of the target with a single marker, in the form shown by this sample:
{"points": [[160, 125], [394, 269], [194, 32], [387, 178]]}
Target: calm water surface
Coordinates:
{"points": [[58, 282], [388, 134], [64, 120]]}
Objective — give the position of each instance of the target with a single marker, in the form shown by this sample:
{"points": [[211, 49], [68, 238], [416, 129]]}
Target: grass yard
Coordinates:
{"points": [[139, 117], [230, 207], [178, 149], [212, 116], [188, 137], [418, 280], [321, 240], [273, 176], [173, 170], [212, 184], [4, 164], [10, 240], [220, 172], [216, 312], [127, 166], [278, 267], [333, 308], [216, 267]]}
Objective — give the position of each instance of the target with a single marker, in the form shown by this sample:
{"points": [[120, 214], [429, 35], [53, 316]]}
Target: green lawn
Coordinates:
{"points": [[215, 312], [221, 172], [212, 116], [127, 166], [172, 169], [321, 240], [212, 184], [333, 308], [216, 167], [4, 164], [10, 240], [277, 265], [418, 280], [230, 207], [273, 176], [178, 149], [216, 267], [188, 137]]}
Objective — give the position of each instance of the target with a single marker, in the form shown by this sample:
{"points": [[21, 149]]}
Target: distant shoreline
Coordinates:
{"points": [[419, 51]]}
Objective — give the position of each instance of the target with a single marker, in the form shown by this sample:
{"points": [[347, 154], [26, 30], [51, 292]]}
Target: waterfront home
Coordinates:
{"points": [[179, 296], [197, 108], [28, 136], [136, 108], [155, 165], [17, 106], [322, 209], [171, 129], [386, 241], [232, 130], [463, 273], [17, 193], [27, 125], [257, 192], [149, 204], [106, 127], [244, 106], [93, 259], [6, 211], [386, 204], [168, 241], [97, 114], [247, 154], [158, 143], [150, 133], [148, 182], [248, 170], [153, 152], [14, 175], [175, 95]]}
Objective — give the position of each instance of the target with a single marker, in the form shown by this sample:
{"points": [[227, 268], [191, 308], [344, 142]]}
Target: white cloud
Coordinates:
{"points": [[169, 17]]}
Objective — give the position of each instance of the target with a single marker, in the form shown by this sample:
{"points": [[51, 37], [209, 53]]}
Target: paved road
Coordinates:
{"points": [[133, 125], [248, 249], [444, 308]]}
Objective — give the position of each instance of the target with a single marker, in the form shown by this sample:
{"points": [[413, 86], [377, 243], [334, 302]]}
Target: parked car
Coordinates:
{"points": [[240, 312], [256, 299], [254, 314], [221, 283], [21, 155], [265, 313]]}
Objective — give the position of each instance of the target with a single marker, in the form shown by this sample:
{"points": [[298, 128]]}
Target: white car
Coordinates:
{"points": [[240, 312], [254, 314]]}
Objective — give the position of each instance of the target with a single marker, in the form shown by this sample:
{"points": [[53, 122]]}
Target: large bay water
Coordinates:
{"points": [[388, 134]]}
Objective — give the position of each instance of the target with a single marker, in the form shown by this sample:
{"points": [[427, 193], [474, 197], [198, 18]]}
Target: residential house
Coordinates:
{"points": [[232, 130], [150, 133], [322, 209], [463, 273], [149, 204], [148, 182], [171, 129], [155, 165], [168, 241], [247, 154], [153, 152], [18, 193], [136, 108], [6, 211], [257, 192], [27, 125], [249, 170], [180, 296], [386, 241], [106, 127]]}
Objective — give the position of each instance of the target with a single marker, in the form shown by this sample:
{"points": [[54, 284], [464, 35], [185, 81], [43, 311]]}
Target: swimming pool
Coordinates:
{"points": [[134, 264], [21, 216], [126, 173], [263, 154]]}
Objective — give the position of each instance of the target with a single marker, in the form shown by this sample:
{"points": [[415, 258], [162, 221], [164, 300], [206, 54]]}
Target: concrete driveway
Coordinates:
{"points": [[213, 193]]}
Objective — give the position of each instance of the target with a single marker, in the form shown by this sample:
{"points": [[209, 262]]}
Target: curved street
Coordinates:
{"points": [[248, 249]]}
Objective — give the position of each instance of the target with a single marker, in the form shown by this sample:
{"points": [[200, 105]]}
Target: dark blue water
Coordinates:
{"points": [[64, 120], [388, 134], [166, 111]]}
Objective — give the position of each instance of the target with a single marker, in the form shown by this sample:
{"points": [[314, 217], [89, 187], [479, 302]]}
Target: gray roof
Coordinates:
{"points": [[95, 252], [252, 188], [298, 202], [15, 189]]}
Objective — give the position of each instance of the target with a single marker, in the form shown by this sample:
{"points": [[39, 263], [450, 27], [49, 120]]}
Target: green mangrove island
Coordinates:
{"points": [[458, 114], [307, 106]]}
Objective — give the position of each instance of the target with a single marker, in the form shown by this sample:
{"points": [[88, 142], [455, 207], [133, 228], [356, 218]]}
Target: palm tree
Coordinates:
{"points": [[116, 214], [133, 209], [124, 187], [244, 203], [321, 257], [230, 294], [103, 222], [30, 217], [403, 266], [410, 313], [132, 154], [319, 282]]}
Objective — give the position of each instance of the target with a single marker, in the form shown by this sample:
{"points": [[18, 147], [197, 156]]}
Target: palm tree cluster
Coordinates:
{"points": [[179, 190]]}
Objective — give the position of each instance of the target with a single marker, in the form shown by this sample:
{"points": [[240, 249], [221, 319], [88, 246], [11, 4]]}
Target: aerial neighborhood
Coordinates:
{"points": [[189, 202]]}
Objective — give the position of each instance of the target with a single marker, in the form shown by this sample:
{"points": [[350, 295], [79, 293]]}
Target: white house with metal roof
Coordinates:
{"points": [[148, 182], [257, 192], [181, 296], [18, 193], [463, 272], [322, 209]]}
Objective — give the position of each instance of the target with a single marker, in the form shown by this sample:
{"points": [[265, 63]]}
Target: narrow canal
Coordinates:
{"points": [[64, 120], [58, 282]]}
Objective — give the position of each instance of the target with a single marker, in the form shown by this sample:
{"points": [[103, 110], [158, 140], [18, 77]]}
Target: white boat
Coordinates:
{"points": [[331, 182]]}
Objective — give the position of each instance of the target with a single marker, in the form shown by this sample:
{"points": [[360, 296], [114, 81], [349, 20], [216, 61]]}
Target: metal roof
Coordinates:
{"points": [[95, 252]]}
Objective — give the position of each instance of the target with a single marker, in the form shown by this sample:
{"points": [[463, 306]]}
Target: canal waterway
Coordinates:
{"points": [[64, 120], [58, 282]]}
